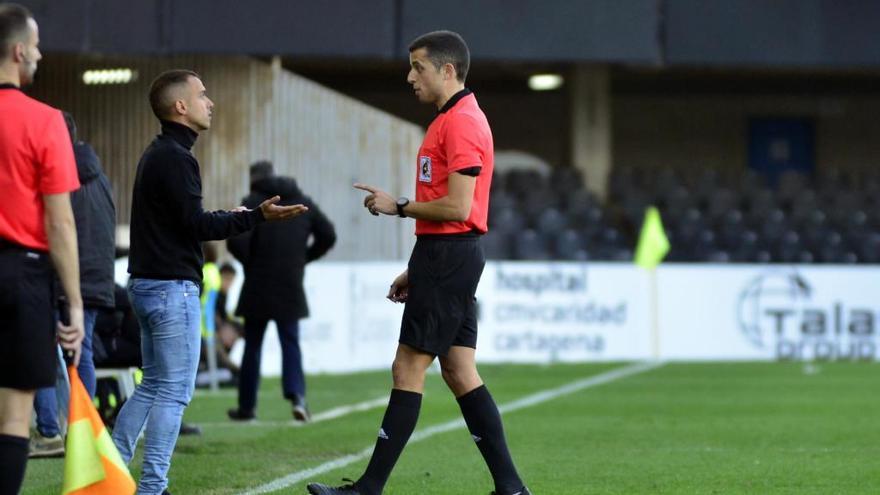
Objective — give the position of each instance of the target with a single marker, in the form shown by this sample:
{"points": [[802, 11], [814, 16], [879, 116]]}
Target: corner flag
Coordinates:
{"points": [[653, 244], [92, 465]]}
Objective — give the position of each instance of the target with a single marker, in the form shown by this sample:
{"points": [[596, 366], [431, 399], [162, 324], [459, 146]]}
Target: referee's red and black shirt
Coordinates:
{"points": [[36, 158], [459, 140]]}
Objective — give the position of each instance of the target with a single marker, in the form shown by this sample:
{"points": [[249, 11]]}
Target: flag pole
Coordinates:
{"points": [[652, 247], [655, 316]]}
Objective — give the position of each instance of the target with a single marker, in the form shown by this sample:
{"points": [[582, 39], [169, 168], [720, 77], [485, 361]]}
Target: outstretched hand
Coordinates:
{"points": [[273, 211], [378, 201]]}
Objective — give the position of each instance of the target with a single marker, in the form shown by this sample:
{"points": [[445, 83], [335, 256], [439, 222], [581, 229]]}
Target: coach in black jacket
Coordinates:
{"points": [[274, 258], [168, 225]]}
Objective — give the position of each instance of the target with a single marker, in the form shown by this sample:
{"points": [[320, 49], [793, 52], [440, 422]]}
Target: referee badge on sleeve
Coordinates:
{"points": [[424, 169]]}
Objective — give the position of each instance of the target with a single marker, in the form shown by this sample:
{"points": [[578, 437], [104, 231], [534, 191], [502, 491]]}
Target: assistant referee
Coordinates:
{"points": [[455, 165], [37, 230]]}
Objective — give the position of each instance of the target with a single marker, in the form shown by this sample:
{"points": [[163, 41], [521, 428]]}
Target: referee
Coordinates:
{"points": [[37, 174], [439, 320]]}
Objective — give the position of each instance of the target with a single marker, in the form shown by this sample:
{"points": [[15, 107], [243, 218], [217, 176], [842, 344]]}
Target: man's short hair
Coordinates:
{"points": [[227, 268], [262, 169], [161, 100], [445, 47], [13, 26]]}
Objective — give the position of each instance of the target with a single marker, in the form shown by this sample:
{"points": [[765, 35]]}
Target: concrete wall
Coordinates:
{"points": [[324, 139]]}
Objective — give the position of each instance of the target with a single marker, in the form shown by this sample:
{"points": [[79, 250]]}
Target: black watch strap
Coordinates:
{"points": [[401, 204]]}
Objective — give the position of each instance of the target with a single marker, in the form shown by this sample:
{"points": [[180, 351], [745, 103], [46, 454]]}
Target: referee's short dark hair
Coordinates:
{"points": [[445, 47], [13, 26], [161, 100]]}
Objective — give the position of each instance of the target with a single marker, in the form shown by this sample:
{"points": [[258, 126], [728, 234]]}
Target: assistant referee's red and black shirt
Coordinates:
{"points": [[459, 140], [36, 159]]}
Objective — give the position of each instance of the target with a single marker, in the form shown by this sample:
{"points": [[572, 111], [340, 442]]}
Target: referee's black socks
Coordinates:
{"points": [[13, 460], [397, 426], [484, 422]]}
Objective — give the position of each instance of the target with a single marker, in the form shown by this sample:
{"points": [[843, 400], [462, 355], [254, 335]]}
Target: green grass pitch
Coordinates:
{"points": [[696, 428]]}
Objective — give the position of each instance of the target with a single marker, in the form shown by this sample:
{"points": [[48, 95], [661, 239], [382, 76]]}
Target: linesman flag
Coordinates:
{"points": [[653, 244], [92, 465]]}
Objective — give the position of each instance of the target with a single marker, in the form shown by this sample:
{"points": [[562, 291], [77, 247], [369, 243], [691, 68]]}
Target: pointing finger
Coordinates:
{"points": [[365, 187]]}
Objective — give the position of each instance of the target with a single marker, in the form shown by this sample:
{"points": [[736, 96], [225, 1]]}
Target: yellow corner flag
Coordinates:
{"points": [[92, 465], [653, 244]]}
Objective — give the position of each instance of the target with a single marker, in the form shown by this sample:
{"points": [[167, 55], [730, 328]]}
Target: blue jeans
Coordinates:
{"points": [[293, 382], [169, 314], [46, 399]]}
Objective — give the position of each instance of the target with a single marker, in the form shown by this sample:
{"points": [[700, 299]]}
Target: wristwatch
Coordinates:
{"points": [[401, 204]]}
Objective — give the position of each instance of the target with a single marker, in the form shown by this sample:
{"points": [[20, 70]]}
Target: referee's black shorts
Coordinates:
{"points": [[28, 353], [440, 311]]}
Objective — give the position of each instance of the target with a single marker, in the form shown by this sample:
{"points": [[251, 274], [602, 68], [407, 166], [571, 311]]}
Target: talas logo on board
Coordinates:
{"points": [[777, 310]]}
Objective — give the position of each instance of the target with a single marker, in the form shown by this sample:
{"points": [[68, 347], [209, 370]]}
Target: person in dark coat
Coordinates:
{"points": [[95, 216], [117, 340], [274, 258]]}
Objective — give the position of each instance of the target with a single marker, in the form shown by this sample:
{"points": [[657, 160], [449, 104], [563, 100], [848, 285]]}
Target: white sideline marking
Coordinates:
{"points": [[224, 394], [527, 401], [336, 412]]}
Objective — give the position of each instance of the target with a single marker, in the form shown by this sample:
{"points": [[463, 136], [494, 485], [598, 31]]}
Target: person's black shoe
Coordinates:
{"points": [[321, 489], [524, 491], [301, 410], [190, 429], [239, 415]]}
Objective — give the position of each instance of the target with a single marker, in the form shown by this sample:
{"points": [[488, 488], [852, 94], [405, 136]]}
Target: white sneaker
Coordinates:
{"points": [[41, 446]]}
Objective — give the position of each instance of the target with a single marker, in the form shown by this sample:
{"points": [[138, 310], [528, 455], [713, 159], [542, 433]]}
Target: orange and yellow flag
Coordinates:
{"points": [[92, 465]]}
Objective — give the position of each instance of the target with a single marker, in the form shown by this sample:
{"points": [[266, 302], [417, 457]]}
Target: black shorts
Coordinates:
{"points": [[440, 308], [28, 353]]}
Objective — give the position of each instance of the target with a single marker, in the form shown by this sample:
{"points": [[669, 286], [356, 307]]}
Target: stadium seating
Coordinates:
{"points": [[709, 216]]}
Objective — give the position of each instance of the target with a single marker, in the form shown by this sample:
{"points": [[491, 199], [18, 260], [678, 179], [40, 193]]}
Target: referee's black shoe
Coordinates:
{"points": [[321, 489], [524, 491]]}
